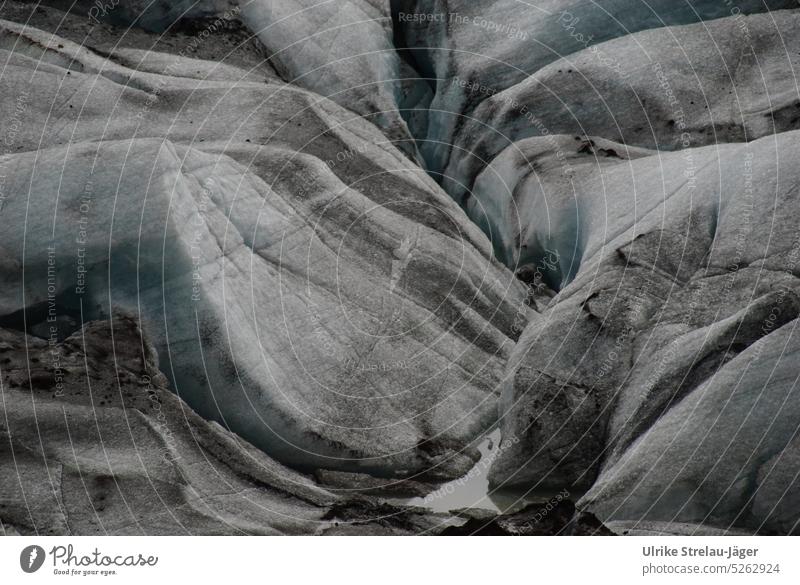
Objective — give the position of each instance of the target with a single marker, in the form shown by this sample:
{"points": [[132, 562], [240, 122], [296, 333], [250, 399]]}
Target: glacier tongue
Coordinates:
{"points": [[263, 317], [303, 281], [665, 368], [666, 88], [474, 53], [341, 50], [309, 286]]}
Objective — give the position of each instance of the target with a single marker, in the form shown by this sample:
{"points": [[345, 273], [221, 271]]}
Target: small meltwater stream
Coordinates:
{"points": [[472, 489]]}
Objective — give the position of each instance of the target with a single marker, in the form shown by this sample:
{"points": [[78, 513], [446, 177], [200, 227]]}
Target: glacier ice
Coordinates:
{"points": [[254, 228]]}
